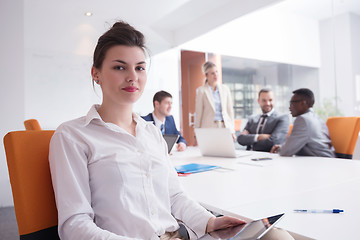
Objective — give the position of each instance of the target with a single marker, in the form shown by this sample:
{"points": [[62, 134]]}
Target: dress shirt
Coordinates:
{"points": [[217, 102], [268, 114], [109, 184], [158, 123]]}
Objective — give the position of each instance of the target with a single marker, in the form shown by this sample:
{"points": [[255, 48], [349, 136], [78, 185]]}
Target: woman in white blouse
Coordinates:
{"points": [[110, 169], [213, 108]]}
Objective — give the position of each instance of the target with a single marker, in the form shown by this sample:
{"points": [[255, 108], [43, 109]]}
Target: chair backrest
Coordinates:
{"points": [[237, 123], [32, 124], [344, 132], [27, 159]]}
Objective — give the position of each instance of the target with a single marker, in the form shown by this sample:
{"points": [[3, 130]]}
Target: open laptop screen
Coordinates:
{"points": [[170, 140]]}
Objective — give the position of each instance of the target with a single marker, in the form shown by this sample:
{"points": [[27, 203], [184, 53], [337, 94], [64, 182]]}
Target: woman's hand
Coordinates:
{"points": [[227, 232], [222, 222]]}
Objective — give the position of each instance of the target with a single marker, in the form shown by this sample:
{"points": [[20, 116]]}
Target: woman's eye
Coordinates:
{"points": [[140, 68], [119, 68]]}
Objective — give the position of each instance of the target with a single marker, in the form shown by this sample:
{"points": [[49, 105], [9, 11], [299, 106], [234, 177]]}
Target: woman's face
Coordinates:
{"points": [[212, 76], [122, 76]]}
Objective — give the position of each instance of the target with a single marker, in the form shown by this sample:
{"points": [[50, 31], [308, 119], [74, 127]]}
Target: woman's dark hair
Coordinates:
{"points": [[121, 33]]}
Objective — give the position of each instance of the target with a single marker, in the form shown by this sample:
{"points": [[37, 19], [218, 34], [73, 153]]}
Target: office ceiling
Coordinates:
{"points": [[63, 26], [165, 23]]}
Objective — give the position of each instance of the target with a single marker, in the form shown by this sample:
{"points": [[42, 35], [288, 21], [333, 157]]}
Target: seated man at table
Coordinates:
{"points": [[161, 117], [310, 135], [264, 130]]}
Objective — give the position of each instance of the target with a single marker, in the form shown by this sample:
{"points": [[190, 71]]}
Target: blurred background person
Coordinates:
{"points": [[162, 118], [213, 107], [310, 135], [262, 131]]}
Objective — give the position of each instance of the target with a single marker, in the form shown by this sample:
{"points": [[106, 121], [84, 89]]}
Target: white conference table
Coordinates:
{"points": [[260, 189]]}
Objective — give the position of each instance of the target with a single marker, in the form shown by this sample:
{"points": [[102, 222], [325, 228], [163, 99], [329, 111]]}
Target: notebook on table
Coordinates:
{"points": [[217, 142], [195, 168]]}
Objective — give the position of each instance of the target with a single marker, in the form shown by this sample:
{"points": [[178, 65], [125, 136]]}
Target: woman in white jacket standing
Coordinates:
{"points": [[214, 108]]}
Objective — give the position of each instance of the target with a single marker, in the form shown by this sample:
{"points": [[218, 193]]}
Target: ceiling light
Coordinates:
{"points": [[88, 14]]}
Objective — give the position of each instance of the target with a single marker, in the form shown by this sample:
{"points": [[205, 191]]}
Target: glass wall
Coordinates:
{"points": [[245, 78]]}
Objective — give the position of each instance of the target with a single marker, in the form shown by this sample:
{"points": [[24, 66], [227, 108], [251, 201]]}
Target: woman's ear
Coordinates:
{"points": [[95, 74]]}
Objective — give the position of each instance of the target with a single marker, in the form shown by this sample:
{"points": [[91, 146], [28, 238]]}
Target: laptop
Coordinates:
{"points": [[217, 142], [170, 139]]}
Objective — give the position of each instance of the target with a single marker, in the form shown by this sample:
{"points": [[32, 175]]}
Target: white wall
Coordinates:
{"points": [[12, 82], [340, 60], [355, 46], [57, 87]]}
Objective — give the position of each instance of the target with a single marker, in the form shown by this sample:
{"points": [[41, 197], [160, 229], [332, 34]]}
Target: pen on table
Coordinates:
{"points": [[318, 211]]}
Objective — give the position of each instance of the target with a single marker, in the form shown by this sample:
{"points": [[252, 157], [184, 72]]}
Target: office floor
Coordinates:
{"points": [[8, 226]]}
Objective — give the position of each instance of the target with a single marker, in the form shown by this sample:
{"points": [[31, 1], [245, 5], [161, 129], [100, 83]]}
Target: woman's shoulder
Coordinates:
{"points": [[71, 125], [224, 87], [201, 89]]}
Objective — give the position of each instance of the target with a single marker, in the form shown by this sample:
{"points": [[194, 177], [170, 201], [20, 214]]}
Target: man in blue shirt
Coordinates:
{"points": [[162, 118]]}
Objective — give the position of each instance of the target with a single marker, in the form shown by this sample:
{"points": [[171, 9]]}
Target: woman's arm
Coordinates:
{"points": [[199, 108], [185, 209], [230, 109]]}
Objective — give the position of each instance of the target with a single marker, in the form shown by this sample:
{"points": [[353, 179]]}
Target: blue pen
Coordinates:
{"points": [[318, 211]]}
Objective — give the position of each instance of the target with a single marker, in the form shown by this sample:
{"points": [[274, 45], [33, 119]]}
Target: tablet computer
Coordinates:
{"points": [[249, 231], [171, 139]]}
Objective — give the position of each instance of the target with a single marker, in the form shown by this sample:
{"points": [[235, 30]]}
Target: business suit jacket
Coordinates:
{"points": [[205, 107], [170, 127], [309, 137], [277, 125]]}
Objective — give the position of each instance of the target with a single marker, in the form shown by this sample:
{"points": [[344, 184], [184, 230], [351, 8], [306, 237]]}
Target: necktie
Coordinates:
{"points": [[262, 122], [162, 129]]}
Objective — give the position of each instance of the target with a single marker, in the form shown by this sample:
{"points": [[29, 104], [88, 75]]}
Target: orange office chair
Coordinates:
{"points": [[344, 132], [237, 123], [290, 129], [35, 209], [32, 124]]}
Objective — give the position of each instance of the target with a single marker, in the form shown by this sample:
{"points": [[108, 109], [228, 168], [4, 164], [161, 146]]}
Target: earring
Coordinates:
{"points": [[97, 81]]}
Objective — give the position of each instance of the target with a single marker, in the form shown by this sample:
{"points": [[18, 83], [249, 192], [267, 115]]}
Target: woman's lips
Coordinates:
{"points": [[130, 89]]}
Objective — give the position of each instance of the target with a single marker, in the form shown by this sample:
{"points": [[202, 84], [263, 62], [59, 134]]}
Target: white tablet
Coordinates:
{"points": [[249, 231]]}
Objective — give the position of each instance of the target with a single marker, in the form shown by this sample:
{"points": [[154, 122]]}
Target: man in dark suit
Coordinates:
{"points": [[264, 130], [161, 117], [310, 135]]}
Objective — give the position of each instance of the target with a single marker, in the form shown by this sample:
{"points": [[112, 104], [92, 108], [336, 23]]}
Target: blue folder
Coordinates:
{"points": [[195, 168]]}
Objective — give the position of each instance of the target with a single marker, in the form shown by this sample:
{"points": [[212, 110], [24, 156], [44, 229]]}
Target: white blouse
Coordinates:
{"points": [[109, 184]]}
